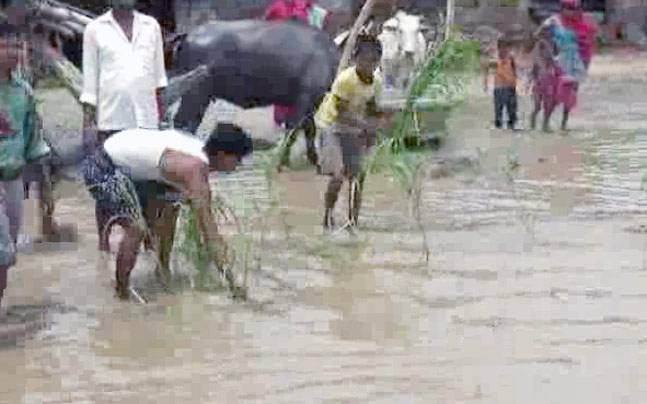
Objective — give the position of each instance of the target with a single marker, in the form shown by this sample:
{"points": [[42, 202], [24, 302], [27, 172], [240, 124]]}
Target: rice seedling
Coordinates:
{"points": [[440, 85]]}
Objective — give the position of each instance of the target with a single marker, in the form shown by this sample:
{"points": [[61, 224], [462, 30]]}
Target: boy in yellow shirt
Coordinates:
{"points": [[346, 122]]}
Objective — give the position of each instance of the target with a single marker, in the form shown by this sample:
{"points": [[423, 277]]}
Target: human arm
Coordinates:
{"points": [[199, 195], [344, 92], [346, 117]]}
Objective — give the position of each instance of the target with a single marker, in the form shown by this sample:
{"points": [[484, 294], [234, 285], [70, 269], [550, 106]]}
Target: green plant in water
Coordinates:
{"points": [[440, 85], [244, 247]]}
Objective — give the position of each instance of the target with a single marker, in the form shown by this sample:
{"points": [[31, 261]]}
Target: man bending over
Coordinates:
{"points": [[171, 158]]}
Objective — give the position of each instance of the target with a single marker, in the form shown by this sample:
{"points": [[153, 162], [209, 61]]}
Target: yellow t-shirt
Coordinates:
{"points": [[350, 88]]}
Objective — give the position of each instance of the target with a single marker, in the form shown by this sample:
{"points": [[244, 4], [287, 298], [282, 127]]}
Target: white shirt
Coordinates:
{"points": [[137, 152], [120, 77]]}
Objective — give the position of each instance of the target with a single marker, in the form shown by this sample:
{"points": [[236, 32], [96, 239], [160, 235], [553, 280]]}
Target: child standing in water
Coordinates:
{"points": [[20, 144], [505, 85], [545, 74]]}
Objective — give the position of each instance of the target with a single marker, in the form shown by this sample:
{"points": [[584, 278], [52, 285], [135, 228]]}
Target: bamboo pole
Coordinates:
{"points": [[449, 21], [354, 32]]}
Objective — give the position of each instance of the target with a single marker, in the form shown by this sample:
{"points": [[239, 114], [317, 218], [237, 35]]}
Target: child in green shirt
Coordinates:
{"points": [[20, 144]]}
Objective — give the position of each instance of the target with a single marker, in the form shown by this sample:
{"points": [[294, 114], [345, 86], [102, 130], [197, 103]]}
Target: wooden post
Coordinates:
{"points": [[449, 21], [354, 32]]}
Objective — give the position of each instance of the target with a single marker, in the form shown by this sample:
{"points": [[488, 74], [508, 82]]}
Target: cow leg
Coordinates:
{"points": [[193, 106]]}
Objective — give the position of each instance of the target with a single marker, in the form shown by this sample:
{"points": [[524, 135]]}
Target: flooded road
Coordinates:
{"points": [[535, 291]]}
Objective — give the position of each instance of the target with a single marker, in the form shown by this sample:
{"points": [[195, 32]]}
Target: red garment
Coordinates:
{"points": [[567, 93], [283, 112], [287, 9], [586, 30], [281, 10]]}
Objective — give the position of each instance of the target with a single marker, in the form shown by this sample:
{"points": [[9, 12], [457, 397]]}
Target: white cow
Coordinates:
{"points": [[403, 48]]}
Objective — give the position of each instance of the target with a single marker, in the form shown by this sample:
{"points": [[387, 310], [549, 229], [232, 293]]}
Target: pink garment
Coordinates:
{"points": [[546, 87], [567, 92], [586, 30], [281, 10], [283, 112]]}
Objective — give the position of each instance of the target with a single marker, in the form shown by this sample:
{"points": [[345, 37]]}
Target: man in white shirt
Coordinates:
{"points": [[123, 73]]}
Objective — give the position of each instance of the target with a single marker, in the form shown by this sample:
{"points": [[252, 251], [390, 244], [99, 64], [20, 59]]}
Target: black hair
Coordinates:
{"points": [[503, 43], [368, 43], [229, 138]]}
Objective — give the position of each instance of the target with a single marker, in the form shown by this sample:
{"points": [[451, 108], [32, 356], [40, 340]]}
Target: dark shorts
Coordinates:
{"points": [[342, 152]]}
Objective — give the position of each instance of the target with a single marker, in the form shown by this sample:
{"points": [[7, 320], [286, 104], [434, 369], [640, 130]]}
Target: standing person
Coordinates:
{"points": [[285, 10], [545, 77], [346, 123], [123, 74], [505, 85], [30, 68], [180, 161], [20, 144], [573, 34]]}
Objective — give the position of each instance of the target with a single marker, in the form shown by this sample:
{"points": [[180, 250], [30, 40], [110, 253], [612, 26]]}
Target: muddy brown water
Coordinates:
{"points": [[535, 290]]}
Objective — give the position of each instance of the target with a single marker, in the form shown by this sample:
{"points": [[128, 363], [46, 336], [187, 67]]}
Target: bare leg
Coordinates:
{"points": [[332, 193], [165, 233], [126, 259], [565, 117], [357, 198], [3, 281], [535, 111], [549, 107], [103, 230]]}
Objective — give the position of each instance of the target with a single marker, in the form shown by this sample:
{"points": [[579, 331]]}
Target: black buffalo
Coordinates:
{"points": [[254, 64]]}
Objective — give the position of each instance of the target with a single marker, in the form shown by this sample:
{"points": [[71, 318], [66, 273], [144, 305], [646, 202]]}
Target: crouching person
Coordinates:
{"points": [[20, 144], [168, 159], [347, 121]]}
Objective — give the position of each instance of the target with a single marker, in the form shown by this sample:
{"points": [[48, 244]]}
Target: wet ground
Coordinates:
{"points": [[534, 292]]}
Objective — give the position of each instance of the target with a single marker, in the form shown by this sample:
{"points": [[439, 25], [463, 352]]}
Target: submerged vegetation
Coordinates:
{"points": [[440, 85]]}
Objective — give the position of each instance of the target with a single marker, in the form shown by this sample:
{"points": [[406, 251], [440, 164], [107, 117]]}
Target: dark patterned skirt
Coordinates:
{"points": [[118, 197]]}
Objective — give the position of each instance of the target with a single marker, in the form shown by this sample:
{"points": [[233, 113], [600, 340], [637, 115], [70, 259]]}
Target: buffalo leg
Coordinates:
{"points": [[301, 120], [290, 138], [310, 132], [193, 106]]}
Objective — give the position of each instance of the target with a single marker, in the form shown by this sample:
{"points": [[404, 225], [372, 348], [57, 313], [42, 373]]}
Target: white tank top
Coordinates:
{"points": [[137, 152]]}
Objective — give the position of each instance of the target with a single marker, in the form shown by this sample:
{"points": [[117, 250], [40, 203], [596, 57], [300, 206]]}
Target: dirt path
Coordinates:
{"points": [[535, 290]]}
